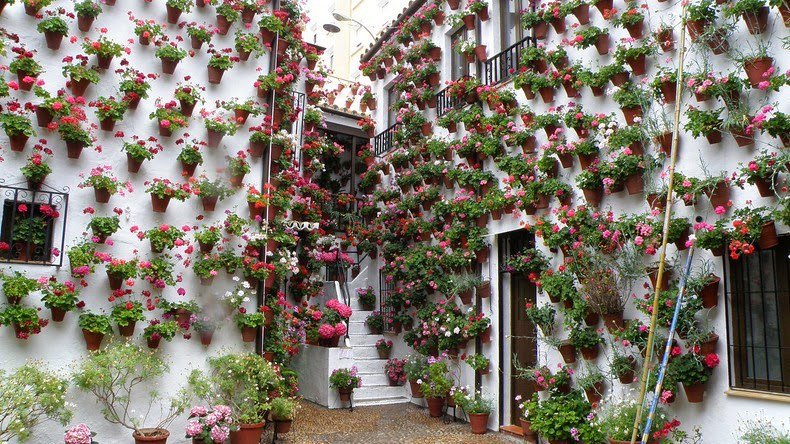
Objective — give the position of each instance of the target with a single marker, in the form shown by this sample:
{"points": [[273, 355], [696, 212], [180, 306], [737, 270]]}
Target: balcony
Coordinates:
{"points": [[382, 143], [446, 102], [504, 65]]}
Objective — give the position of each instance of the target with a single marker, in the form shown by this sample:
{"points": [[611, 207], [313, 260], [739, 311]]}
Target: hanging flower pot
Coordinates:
{"points": [[469, 21], [247, 15], [547, 94], [756, 68], [223, 25], [172, 14], [74, 149], [215, 75], [127, 330], [484, 290], [582, 13], [541, 30], [466, 297], [614, 322], [784, 9], [594, 393], [602, 43], [637, 64], [635, 183], [604, 5], [635, 30], [18, 142], [757, 22], [694, 392], [593, 196], [765, 186], [150, 436], [666, 39], [590, 353], [768, 238], [53, 39], [480, 53], [248, 334], [159, 204], [708, 346], [568, 352], [719, 195], [559, 24], [206, 336], [58, 314], [710, 292], [84, 23], [627, 377], [652, 274], [620, 79], [597, 91], [696, 28], [714, 137], [92, 339]]}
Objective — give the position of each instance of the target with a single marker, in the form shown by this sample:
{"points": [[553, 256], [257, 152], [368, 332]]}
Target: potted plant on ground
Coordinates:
{"points": [[126, 314], [94, 327], [345, 380], [555, 417], [60, 298], [416, 368], [478, 407], [435, 387], [114, 377], [616, 421], [283, 411]]}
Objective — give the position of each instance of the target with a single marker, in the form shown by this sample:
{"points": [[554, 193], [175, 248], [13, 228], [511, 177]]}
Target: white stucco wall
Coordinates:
{"points": [[61, 344], [719, 415]]}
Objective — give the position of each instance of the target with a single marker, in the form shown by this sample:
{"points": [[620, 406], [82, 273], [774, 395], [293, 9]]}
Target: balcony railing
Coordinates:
{"points": [[504, 65], [445, 102], [382, 143]]}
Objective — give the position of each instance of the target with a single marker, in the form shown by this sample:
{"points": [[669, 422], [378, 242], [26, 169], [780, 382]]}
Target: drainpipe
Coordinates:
{"points": [[265, 173]]}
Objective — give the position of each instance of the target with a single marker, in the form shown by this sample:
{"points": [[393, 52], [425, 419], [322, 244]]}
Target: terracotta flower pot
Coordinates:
{"points": [[696, 28], [454, 4], [547, 94], [469, 21], [150, 436], [590, 353], [635, 183], [92, 340], [84, 23], [248, 334], [172, 14], [159, 205], [133, 165], [18, 142], [115, 281], [282, 426], [757, 22], [104, 61], [582, 13], [526, 429], [435, 407], [755, 69], [708, 346], [58, 314], [479, 422], [602, 43], [593, 196], [345, 394], [541, 30], [153, 343], [53, 39], [74, 149], [604, 5], [719, 195], [765, 186], [223, 25], [614, 322], [481, 53], [215, 75], [416, 390], [768, 238], [635, 30], [568, 352], [169, 66], [247, 434], [43, 116], [206, 336], [127, 330], [694, 392]]}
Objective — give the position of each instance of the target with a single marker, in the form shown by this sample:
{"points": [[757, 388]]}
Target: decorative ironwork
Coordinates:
{"points": [[382, 143], [385, 289], [446, 102], [33, 225], [504, 65]]}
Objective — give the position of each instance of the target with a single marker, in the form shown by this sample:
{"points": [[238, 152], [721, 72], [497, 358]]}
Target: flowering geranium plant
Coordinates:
{"points": [[163, 237], [394, 368], [164, 188], [79, 434], [63, 296], [102, 47], [168, 116], [102, 178], [345, 378]]}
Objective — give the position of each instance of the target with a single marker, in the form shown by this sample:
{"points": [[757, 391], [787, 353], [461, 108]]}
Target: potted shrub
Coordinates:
{"points": [[217, 65], [384, 348], [119, 271], [478, 407], [158, 330], [199, 34], [103, 182], [243, 382], [54, 29], [238, 167], [170, 54], [18, 128], [345, 380], [693, 371], [586, 340], [17, 286], [35, 171], [145, 30], [60, 298], [137, 152], [27, 70], [125, 315], [209, 425], [283, 412], [80, 77], [94, 327], [115, 376], [86, 11], [479, 363], [367, 298], [104, 49], [435, 386], [246, 44], [30, 395], [553, 418]]}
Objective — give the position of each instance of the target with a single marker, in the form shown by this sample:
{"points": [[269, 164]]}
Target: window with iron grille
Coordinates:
{"points": [[32, 224], [386, 287], [459, 67], [758, 309]]}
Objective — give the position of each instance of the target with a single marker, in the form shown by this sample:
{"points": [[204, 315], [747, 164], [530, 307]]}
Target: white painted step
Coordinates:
{"points": [[358, 328], [365, 352], [381, 401], [374, 379], [363, 340], [359, 316], [370, 366], [378, 392]]}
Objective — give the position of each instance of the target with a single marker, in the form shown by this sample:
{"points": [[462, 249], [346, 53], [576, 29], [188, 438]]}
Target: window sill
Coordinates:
{"points": [[754, 394]]}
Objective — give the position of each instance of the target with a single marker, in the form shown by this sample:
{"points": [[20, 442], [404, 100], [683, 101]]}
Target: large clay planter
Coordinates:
{"points": [[160, 436], [694, 392], [479, 422], [416, 390], [92, 340], [247, 434], [435, 407], [756, 68]]}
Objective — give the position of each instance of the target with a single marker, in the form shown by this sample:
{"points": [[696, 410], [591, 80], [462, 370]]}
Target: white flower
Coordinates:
{"points": [[457, 330]]}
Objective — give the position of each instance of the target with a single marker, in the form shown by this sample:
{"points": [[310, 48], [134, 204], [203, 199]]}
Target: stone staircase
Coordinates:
{"points": [[375, 388]]}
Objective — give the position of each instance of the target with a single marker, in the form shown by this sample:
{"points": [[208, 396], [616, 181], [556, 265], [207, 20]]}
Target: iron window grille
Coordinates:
{"points": [[504, 65], [758, 306], [386, 288], [33, 225]]}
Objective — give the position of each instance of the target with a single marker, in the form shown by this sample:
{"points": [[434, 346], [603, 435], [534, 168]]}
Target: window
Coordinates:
{"points": [[27, 231], [759, 306], [460, 67], [393, 96], [510, 19]]}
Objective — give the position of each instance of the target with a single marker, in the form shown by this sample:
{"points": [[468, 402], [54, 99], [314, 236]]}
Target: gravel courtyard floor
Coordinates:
{"points": [[401, 423]]}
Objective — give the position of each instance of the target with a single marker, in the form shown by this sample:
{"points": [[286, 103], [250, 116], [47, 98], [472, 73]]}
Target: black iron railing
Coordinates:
{"points": [[33, 225], [386, 287], [504, 65], [446, 102], [382, 143]]}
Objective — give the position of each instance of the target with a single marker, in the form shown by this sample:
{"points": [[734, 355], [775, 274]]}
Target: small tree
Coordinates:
{"points": [[116, 373], [28, 397]]}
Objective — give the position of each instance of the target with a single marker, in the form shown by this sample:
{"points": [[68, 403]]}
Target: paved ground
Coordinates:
{"points": [[401, 423]]}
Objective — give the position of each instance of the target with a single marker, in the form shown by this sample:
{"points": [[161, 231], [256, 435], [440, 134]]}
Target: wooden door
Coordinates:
{"points": [[523, 351]]}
